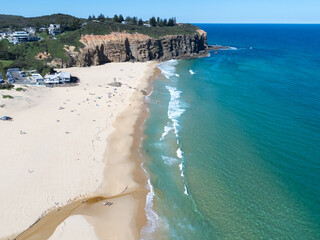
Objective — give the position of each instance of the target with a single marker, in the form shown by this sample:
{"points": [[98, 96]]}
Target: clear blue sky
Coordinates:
{"points": [[205, 11]]}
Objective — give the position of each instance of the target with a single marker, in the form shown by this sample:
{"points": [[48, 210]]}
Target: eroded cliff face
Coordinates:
{"points": [[123, 47]]}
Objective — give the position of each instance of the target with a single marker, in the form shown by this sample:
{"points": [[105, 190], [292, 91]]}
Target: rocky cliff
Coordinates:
{"points": [[122, 47]]}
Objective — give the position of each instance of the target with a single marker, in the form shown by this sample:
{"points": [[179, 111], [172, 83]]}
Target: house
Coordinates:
{"points": [[64, 77], [20, 34], [21, 37], [37, 78], [51, 79], [55, 26], [30, 30], [61, 77], [2, 35], [54, 29], [146, 25]]}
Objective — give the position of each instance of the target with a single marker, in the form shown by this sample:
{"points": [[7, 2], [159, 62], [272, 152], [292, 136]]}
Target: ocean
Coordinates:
{"points": [[232, 143]]}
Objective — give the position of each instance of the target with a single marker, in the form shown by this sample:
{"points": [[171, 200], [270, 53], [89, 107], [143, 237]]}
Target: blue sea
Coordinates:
{"points": [[232, 142]]}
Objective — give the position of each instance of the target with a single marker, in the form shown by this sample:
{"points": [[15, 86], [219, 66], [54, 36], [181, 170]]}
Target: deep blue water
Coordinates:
{"points": [[233, 151]]}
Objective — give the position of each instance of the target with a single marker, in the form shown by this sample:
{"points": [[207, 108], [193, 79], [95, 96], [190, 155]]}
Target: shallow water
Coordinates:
{"points": [[233, 140]]}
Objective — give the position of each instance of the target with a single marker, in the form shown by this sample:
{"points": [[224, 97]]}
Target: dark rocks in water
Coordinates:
{"points": [[115, 84]]}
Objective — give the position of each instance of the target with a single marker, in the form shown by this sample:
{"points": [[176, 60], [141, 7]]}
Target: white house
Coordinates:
{"points": [[55, 26], [61, 77], [30, 30], [64, 77], [51, 79], [54, 29], [20, 34], [37, 78], [2, 35]]}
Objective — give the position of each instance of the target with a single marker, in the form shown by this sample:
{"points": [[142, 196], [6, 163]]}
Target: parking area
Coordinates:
{"points": [[16, 76]]}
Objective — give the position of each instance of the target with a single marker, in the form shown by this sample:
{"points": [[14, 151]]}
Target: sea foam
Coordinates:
{"points": [[179, 153], [175, 108], [169, 160], [168, 68], [166, 130], [191, 72], [153, 219]]}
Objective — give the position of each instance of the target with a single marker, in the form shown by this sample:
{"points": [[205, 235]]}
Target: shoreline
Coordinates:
{"points": [[138, 177], [134, 192]]}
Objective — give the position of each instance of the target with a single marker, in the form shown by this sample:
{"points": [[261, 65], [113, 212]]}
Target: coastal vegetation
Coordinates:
{"points": [[18, 22], [20, 89], [7, 86], [23, 55], [4, 64], [7, 96]]}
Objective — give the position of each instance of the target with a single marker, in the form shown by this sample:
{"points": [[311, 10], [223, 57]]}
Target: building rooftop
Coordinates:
{"points": [[13, 70]]}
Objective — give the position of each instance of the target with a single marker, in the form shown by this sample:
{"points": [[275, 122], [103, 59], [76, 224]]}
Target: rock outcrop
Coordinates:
{"points": [[123, 47], [42, 55]]}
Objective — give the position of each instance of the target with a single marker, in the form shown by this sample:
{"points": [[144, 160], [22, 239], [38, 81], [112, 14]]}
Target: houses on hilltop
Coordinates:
{"points": [[29, 34]]}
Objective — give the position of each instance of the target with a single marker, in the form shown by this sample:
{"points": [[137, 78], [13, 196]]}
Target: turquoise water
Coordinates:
{"points": [[233, 150]]}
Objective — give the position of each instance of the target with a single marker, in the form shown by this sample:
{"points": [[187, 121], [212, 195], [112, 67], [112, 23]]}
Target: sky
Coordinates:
{"points": [[205, 11]]}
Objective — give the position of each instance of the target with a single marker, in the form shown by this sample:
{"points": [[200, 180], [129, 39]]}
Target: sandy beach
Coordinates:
{"points": [[69, 158]]}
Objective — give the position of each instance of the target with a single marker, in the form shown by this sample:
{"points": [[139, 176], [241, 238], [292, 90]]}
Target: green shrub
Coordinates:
{"points": [[20, 89], [7, 96], [7, 86]]}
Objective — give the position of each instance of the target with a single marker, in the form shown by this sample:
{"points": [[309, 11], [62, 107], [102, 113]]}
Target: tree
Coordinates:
{"points": [[161, 24], [170, 22], [158, 21], [152, 21], [121, 18], [134, 21], [52, 71], [93, 17], [165, 22], [75, 24], [90, 18], [116, 18], [101, 17], [140, 22], [128, 19], [38, 25]]}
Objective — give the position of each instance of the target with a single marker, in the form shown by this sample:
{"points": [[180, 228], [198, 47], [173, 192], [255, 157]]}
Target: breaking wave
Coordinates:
{"points": [[168, 68]]}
